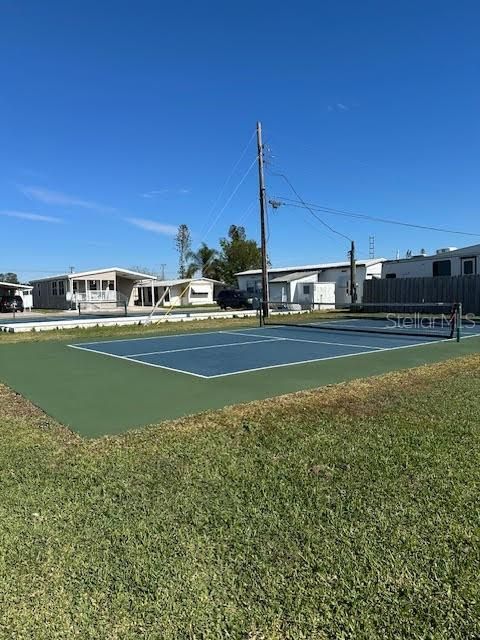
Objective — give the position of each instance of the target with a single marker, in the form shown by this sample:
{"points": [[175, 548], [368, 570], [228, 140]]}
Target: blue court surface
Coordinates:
{"points": [[224, 353]]}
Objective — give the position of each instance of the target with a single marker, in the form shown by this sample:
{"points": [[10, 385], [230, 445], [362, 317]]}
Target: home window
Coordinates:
{"points": [[61, 287], [92, 285], [306, 289], [442, 268], [391, 275], [253, 286], [54, 288], [198, 294], [75, 286], [468, 266]]}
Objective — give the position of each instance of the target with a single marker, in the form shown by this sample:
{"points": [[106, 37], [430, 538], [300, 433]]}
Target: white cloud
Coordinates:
{"points": [[154, 192], [34, 217], [338, 106], [152, 225], [162, 192], [58, 198]]}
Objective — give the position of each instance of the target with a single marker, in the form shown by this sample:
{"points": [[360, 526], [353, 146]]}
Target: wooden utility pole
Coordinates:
{"points": [[353, 274], [263, 208]]}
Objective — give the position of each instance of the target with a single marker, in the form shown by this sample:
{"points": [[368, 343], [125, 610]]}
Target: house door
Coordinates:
{"points": [[469, 266]]}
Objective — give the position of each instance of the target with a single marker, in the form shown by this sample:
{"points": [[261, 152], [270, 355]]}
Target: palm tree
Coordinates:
{"points": [[205, 261]]}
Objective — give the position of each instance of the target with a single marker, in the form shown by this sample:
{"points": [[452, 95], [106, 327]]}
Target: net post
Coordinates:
{"points": [[260, 313], [126, 307], [459, 322]]}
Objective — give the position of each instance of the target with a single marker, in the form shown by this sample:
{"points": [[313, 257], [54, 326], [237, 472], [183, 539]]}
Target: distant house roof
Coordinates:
{"points": [[291, 277], [313, 267], [126, 273], [12, 285]]}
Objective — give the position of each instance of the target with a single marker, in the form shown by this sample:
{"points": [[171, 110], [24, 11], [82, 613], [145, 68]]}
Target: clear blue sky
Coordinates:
{"points": [[121, 120]]}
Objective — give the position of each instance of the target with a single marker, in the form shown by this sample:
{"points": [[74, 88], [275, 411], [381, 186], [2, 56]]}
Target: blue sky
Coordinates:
{"points": [[121, 120]]}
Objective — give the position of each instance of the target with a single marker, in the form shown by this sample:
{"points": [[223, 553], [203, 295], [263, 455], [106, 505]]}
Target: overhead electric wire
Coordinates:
{"points": [[246, 213], [222, 190], [217, 217], [306, 206], [300, 203]]}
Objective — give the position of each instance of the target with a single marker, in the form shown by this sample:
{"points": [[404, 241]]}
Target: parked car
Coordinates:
{"points": [[235, 299], [11, 303]]}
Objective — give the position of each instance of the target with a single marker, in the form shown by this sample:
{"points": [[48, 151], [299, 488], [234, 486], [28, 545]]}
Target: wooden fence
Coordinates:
{"points": [[464, 289]]}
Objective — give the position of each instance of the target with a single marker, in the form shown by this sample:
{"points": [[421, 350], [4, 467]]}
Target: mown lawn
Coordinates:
{"points": [[126, 331], [347, 512]]}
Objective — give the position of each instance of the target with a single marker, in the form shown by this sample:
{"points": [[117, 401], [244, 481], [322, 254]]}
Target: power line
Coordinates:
{"points": [[306, 206], [222, 190], [363, 216], [217, 217]]}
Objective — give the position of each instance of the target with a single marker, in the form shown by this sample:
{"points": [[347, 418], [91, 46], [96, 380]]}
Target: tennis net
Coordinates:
{"points": [[432, 319]]}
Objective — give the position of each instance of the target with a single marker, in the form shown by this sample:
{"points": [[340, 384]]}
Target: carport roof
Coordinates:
{"points": [[13, 285], [298, 275]]}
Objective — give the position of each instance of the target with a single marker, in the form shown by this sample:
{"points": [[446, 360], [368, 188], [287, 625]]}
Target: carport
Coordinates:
{"points": [[23, 290]]}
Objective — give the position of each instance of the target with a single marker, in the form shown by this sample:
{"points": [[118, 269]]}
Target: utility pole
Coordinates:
{"points": [[263, 208], [353, 274]]}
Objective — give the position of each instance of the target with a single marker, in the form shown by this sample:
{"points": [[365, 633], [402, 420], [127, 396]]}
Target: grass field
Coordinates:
{"points": [[346, 512]]}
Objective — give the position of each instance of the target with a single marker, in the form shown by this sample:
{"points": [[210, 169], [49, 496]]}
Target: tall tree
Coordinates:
{"points": [[205, 261], [183, 243], [9, 277], [238, 254]]}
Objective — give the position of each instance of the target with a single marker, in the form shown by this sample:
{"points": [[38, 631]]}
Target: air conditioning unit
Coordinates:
{"points": [[445, 250]]}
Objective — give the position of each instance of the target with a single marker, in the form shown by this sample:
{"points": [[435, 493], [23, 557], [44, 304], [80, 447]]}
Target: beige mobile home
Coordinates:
{"points": [[68, 290]]}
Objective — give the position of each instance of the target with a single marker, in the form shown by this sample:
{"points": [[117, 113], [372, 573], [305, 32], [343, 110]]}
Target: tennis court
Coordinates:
{"points": [[99, 387], [224, 353]]}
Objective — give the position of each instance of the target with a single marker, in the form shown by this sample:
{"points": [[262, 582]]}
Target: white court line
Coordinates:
{"points": [[169, 335], [254, 335], [346, 355], [208, 346], [337, 344], [147, 364]]}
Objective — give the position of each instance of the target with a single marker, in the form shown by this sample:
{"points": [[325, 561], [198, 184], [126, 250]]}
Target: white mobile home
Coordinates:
{"points": [[445, 262], [175, 293], [302, 287], [337, 273], [68, 290]]}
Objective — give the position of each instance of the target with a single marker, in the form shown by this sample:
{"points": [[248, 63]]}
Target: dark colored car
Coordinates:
{"points": [[235, 299], [11, 303]]}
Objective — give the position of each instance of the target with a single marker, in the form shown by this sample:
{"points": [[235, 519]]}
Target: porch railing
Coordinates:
{"points": [[99, 296]]}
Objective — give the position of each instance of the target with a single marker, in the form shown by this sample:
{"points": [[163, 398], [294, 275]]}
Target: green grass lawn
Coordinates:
{"points": [[347, 512]]}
